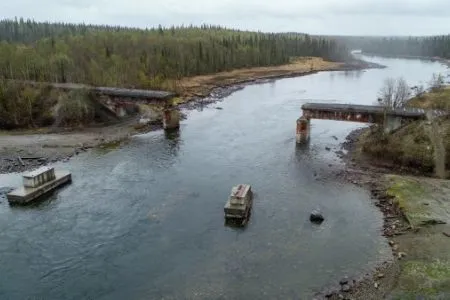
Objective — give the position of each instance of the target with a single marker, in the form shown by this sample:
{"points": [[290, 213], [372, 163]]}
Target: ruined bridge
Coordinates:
{"points": [[120, 100], [123, 101], [392, 119]]}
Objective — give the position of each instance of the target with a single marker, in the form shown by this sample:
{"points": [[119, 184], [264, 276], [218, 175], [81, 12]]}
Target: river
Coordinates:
{"points": [[146, 221]]}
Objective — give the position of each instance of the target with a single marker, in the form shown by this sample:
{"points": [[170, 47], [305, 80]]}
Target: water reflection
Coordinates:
{"points": [[349, 74], [302, 148], [172, 134]]}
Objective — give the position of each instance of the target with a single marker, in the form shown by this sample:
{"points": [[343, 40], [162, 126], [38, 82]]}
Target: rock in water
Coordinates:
{"points": [[316, 217]]}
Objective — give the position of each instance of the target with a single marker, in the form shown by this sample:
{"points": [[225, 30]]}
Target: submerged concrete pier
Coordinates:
{"points": [[303, 130], [38, 183], [171, 119]]}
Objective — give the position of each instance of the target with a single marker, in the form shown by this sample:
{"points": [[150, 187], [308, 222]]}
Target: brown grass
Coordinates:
{"points": [[202, 85], [411, 145], [439, 99]]}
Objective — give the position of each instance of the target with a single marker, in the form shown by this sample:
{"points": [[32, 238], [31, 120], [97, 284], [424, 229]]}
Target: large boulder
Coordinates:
{"points": [[316, 217]]}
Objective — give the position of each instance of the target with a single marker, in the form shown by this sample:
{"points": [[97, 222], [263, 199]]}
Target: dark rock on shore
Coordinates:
{"points": [[344, 280], [216, 95], [12, 163], [352, 138], [346, 288]]}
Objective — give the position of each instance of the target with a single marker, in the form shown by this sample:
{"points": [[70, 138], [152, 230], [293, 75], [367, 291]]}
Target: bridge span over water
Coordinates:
{"points": [[363, 113], [391, 119]]}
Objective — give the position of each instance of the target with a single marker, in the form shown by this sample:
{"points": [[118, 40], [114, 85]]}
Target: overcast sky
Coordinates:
{"points": [[349, 17]]}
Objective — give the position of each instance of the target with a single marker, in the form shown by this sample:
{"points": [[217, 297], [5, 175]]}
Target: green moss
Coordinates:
{"points": [[436, 270], [425, 278], [409, 195], [403, 189]]}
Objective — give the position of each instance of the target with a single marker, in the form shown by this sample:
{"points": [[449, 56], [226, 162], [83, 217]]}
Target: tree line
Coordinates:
{"points": [[433, 46], [144, 58]]}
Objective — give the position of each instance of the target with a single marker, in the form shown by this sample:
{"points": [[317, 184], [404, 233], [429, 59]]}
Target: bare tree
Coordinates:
{"points": [[419, 91], [394, 93], [436, 82]]}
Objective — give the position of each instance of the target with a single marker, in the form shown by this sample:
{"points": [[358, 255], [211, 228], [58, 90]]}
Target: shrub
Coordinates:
{"points": [[75, 108]]}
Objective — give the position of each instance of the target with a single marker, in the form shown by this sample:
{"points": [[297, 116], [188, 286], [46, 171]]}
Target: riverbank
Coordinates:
{"points": [[198, 87], [416, 214], [25, 150], [411, 148]]}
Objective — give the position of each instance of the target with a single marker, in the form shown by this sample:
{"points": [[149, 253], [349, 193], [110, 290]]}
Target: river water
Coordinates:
{"points": [[146, 221]]}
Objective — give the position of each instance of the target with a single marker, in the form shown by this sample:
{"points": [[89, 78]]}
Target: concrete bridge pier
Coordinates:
{"points": [[303, 130], [171, 119], [392, 123]]}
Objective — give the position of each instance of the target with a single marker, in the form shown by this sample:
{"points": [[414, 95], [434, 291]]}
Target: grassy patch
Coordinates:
{"points": [[409, 196], [427, 279], [409, 146], [439, 99], [404, 189]]}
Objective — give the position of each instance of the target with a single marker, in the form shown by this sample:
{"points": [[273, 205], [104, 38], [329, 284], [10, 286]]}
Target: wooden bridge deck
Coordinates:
{"points": [[113, 92], [118, 92], [330, 108]]}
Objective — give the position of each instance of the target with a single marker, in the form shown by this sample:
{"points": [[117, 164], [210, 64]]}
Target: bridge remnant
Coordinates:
{"points": [[122, 101], [391, 119], [171, 119], [303, 129], [38, 183]]}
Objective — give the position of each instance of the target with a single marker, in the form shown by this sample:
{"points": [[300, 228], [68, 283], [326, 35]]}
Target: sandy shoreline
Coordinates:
{"points": [[198, 87]]}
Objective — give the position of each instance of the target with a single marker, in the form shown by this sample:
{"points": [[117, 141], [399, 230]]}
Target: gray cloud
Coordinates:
{"points": [[382, 17]]}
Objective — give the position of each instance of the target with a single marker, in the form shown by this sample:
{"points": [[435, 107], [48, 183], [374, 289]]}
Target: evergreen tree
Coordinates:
{"points": [[144, 58]]}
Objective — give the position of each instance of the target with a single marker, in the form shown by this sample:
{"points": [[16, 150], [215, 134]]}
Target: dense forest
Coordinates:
{"points": [[129, 57], [435, 46], [145, 58]]}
